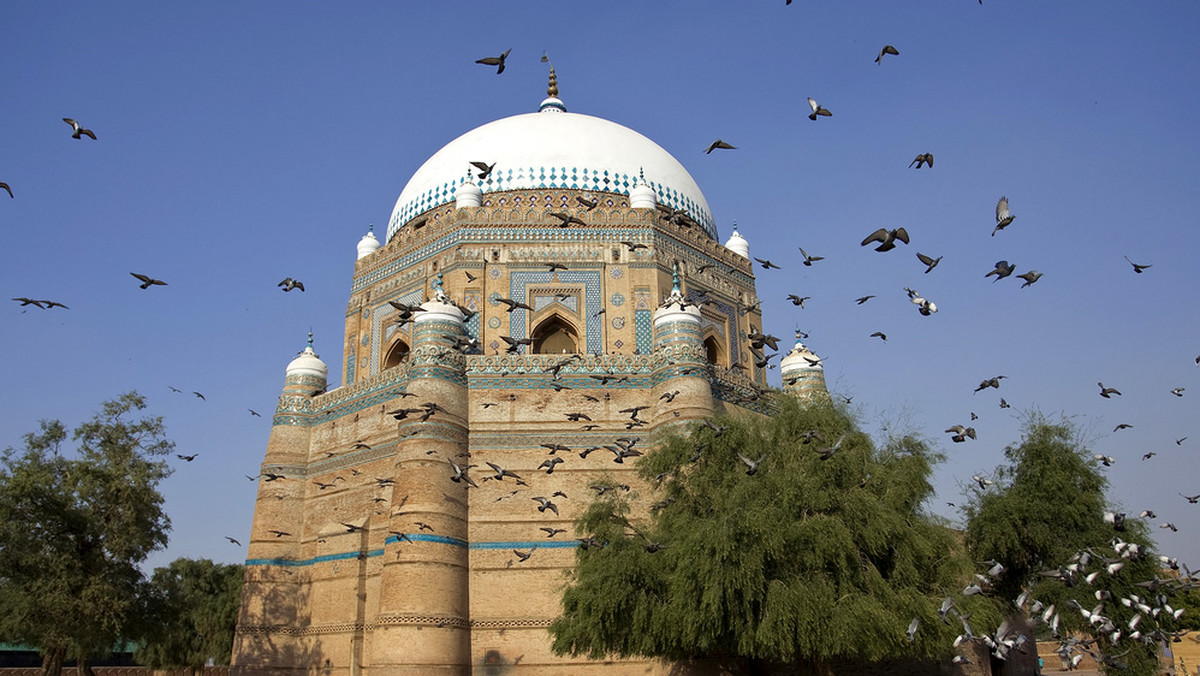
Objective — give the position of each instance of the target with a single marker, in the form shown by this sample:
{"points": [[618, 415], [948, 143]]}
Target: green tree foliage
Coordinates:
{"points": [[73, 529], [1044, 520], [193, 607], [805, 561]]}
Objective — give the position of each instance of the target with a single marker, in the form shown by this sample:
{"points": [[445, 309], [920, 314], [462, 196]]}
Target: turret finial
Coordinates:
{"points": [[439, 292], [310, 338], [551, 90], [675, 279]]}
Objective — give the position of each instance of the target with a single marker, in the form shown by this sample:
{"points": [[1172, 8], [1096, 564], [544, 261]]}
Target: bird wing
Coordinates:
{"points": [[924, 259], [902, 235], [1002, 209], [142, 278], [482, 166], [879, 235], [490, 60], [813, 104]]}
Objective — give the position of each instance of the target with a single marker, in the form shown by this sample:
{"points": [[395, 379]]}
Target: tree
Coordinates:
{"points": [[799, 561], [73, 529], [1082, 574], [193, 607]]}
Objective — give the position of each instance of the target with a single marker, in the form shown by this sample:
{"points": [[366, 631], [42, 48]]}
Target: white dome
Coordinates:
{"points": [[552, 149], [738, 244], [468, 194], [307, 363], [799, 360], [368, 244], [642, 196]]}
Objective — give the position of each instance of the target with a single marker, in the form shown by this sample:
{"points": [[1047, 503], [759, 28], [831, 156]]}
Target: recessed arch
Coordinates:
{"points": [[713, 351], [554, 335], [396, 354]]}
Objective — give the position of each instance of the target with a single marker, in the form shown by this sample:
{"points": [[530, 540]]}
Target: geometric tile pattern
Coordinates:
{"points": [[573, 178], [642, 329], [519, 280], [381, 334]]}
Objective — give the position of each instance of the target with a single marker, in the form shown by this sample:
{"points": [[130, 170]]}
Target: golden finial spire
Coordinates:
{"points": [[552, 90]]}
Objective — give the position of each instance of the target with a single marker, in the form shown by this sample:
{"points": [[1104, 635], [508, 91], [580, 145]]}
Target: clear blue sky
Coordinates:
{"points": [[241, 143]]}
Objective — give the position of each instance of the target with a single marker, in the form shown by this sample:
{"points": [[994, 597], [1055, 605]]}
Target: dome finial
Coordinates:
{"points": [[310, 338], [552, 103], [675, 279], [439, 292], [551, 90]]}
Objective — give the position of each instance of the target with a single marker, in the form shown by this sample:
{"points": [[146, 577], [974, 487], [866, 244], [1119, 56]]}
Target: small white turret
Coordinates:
{"points": [[642, 196], [738, 244], [803, 373], [307, 375], [368, 244], [468, 194], [307, 363]]}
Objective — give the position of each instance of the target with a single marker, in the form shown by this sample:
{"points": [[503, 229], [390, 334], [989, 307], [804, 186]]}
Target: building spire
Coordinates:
{"points": [[552, 90], [439, 291], [552, 102]]}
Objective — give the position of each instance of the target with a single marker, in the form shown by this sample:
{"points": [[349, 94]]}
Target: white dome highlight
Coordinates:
{"points": [[552, 149], [738, 244], [368, 244], [307, 363]]}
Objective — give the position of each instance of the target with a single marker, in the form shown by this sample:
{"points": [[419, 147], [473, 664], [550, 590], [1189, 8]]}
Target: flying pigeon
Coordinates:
{"points": [[147, 281], [930, 263], [886, 238], [718, 144], [817, 109], [1002, 270], [1137, 267], [484, 168], [922, 159], [887, 49], [497, 61], [1029, 277], [79, 131], [1003, 217]]}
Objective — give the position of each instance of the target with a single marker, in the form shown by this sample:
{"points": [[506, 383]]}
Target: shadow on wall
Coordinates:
{"points": [[271, 636]]}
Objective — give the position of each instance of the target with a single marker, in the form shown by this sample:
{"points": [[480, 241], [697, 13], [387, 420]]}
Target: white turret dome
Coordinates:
{"points": [[468, 194], [738, 244], [642, 196], [368, 244], [307, 363], [552, 149]]}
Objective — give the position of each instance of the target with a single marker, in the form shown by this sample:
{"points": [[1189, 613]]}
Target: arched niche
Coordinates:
{"points": [[396, 354], [555, 335], [713, 351]]}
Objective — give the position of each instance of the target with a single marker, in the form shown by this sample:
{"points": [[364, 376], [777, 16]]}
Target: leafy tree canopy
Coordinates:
{"points": [[193, 608], [1077, 566], [74, 527], [805, 560]]}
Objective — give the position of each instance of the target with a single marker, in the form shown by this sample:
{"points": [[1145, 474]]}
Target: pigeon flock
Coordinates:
{"points": [[1011, 285]]}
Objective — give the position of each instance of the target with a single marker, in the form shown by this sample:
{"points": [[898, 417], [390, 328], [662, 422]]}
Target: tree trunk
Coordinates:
{"points": [[52, 661], [85, 668]]}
